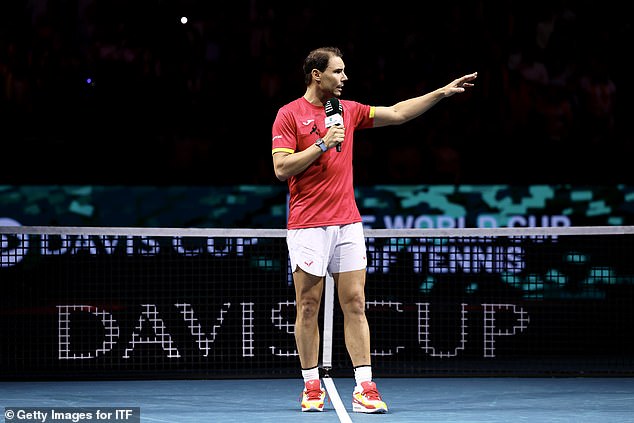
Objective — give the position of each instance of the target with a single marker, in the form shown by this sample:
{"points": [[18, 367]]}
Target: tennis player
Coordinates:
{"points": [[325, 233]]}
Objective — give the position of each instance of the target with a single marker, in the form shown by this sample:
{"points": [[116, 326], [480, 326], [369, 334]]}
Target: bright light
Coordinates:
{"points": [[184, 20]]}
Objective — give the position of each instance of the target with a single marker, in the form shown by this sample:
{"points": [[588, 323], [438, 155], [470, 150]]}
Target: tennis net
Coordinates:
{"points": [[84, 302]]}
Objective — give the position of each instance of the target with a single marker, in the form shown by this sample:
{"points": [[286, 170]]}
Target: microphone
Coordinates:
{"points": [[334, 114]]}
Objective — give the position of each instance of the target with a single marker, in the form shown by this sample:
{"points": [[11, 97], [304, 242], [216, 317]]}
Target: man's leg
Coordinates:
{"points": [[351, 291], [308, 292]]}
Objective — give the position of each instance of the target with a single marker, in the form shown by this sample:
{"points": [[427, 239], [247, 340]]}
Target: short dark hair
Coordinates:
{"points": [[318, 59]]}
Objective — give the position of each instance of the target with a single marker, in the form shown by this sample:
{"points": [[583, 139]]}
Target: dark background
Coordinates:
{"points": [[193, 104]]}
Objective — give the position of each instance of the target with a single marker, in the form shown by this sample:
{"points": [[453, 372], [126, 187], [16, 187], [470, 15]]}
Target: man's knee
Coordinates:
{"points": [[354, 303], [308, 309]]}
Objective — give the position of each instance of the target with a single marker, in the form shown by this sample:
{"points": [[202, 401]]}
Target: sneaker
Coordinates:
{"points": [[313, 396], [367, 399]]}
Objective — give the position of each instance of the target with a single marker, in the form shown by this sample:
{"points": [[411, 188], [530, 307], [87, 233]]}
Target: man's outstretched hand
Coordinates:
{"points": [[460, 85]]}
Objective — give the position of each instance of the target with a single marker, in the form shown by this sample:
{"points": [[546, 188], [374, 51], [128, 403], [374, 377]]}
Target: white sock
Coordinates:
{"points": [[362, 374], [310, 374]]}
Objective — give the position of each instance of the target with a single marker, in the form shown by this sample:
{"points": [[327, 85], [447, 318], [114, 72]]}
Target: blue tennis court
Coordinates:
{"points": [[409, 399]]}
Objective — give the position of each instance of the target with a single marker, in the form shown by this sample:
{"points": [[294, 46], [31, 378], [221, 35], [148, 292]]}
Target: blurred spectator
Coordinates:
{"points": [[597, 100]]}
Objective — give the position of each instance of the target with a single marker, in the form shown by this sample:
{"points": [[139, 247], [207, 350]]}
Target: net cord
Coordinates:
{"points": [[276, 233]]}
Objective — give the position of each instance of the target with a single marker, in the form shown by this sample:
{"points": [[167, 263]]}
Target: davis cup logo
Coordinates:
{"points": [[12, 247], [15, 244]]}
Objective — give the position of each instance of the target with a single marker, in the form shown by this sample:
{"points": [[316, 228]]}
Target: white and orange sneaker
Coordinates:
{"points": [[366, 399], [313, 396]]}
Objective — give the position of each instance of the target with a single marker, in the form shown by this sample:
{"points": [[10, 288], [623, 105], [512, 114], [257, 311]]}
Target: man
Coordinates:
{"points": [[325, 233]]}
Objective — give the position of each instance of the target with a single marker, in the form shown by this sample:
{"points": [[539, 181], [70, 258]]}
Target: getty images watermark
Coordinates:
{"points": [[72, 414]]}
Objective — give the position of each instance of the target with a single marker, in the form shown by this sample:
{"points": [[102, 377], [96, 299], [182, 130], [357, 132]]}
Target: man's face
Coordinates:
{"points": [[333, 77]]}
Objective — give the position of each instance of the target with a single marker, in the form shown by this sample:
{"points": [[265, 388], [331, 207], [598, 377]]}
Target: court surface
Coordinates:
{"points": [[596, 400]]}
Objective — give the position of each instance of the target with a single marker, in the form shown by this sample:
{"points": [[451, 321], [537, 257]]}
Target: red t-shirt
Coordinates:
{"points": [[323, 194]]}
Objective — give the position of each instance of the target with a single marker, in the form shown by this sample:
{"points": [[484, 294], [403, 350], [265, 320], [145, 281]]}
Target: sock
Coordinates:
{"points": [[310, 374], [362, 374]]}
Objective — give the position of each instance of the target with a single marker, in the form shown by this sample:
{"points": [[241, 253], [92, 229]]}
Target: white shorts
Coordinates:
{"points": [[334, 249]]}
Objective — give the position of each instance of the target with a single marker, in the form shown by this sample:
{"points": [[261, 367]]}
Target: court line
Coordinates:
{"points": [[335, 399], [344, 417]]}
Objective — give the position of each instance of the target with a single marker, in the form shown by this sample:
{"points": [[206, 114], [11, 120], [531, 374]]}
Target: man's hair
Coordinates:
{"points": [[318, 59]]}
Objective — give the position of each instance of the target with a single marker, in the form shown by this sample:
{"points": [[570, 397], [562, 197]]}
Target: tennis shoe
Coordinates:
{"points": [[366, 399], [313, 396]]}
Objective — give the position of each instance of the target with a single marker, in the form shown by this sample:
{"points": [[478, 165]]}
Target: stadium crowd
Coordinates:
{"points": [[124, 92]]}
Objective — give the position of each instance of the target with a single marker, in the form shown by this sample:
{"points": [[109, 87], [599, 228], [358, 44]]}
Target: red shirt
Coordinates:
{"points": [[323, 194]]}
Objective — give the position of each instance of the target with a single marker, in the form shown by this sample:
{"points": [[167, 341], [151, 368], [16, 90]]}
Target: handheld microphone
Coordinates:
{"points": [[334, 114]]}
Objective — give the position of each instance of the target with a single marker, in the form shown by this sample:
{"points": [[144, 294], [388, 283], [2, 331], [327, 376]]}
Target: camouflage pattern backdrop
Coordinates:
{"points": [[382, 206]]}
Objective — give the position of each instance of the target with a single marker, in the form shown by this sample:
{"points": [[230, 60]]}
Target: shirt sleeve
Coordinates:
{"points": [[284, 134], [362, 114]]}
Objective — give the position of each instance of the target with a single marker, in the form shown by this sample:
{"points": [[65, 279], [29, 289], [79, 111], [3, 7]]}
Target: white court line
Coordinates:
{"points": [[336, 400], [327, 351]]}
